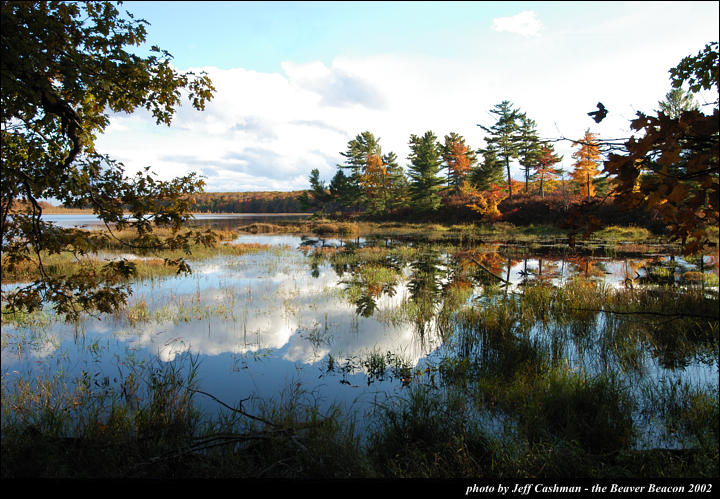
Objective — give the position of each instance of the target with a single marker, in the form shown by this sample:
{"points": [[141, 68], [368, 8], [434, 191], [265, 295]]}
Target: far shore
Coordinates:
{"points": [[79, 211]]}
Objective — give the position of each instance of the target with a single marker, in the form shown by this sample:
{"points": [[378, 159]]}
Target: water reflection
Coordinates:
{"points": [[334, 314]]}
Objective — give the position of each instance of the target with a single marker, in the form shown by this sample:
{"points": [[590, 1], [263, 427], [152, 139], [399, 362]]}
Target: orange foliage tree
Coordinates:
{"points": [[374, 181], [458, 164], [586, 166], [459, 160], [486, 203]]}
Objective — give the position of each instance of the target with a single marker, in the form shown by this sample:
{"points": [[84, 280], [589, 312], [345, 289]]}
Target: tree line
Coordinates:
{"points": [[247, 202], [451, 173]]}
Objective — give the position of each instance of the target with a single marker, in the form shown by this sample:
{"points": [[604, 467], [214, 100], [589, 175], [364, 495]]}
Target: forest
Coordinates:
{"points": [[248, 202]]}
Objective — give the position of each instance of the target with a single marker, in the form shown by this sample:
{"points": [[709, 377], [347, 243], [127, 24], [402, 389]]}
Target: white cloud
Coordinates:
{"points": [[525, 23], [267, 131]]}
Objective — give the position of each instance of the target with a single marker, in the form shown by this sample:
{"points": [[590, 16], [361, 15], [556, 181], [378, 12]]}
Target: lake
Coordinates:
{"points": [[219, 221], [341, 322]]}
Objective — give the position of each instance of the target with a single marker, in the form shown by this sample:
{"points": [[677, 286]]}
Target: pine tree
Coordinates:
{"points": [[503, 136], [425, 163], [489, 172], [356, 156], [318, 196], [529, 146], [676, 101], [341, 191], [544, 170], [398, 184]]}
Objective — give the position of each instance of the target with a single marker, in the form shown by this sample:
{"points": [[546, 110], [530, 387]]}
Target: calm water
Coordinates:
{"points": [[267, 324], [199, 220]]}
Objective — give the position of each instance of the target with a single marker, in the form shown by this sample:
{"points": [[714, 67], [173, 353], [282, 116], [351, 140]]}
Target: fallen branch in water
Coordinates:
{"points": [[239, 411], [660, 314], [483, 267], [211, 441]]}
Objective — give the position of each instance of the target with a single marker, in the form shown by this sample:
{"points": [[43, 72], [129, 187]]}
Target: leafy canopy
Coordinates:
{"points": [[673, 166], [65, 66]]}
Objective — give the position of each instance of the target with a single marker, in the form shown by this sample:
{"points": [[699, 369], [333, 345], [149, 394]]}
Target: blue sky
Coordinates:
{"points": [[296, 80]]}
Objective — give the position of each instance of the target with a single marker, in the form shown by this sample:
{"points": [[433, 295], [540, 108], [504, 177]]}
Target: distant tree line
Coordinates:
{"points": [[222, 202], [248, 202]]}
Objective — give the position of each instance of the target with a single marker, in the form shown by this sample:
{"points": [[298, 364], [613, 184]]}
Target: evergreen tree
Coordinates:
{"points": [[341, 191], [489, 172], [676, 101], [529, 147], [398, 184], [318, 195], [356, 156], [503, 136], [425, 163]]}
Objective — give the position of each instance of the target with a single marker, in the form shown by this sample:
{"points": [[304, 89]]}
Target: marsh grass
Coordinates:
{"points": [[427, 436], [146, 267], [93, 426]]}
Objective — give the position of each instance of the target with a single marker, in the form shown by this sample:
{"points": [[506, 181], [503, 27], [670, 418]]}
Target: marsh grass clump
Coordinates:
{"points": [[146, 264], [67, 264], [689, 414], [327, 227], [296, 439], [262, 228], [594, 411], [94, 426], [618, 233], [427, 436]]}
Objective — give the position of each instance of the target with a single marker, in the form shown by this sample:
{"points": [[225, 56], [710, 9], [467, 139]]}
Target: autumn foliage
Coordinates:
{"points": [[544, 171], [586, 166], [486, 203], [673, 166], [458, 163]]}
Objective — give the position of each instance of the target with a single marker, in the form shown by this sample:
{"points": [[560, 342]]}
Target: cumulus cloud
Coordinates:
{"points": [[262, 128], [525, 23], [336, 86], [267, 131]]}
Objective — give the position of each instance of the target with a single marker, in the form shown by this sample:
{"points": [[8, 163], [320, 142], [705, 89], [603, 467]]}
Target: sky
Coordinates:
{"points": [[296, 81]]}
